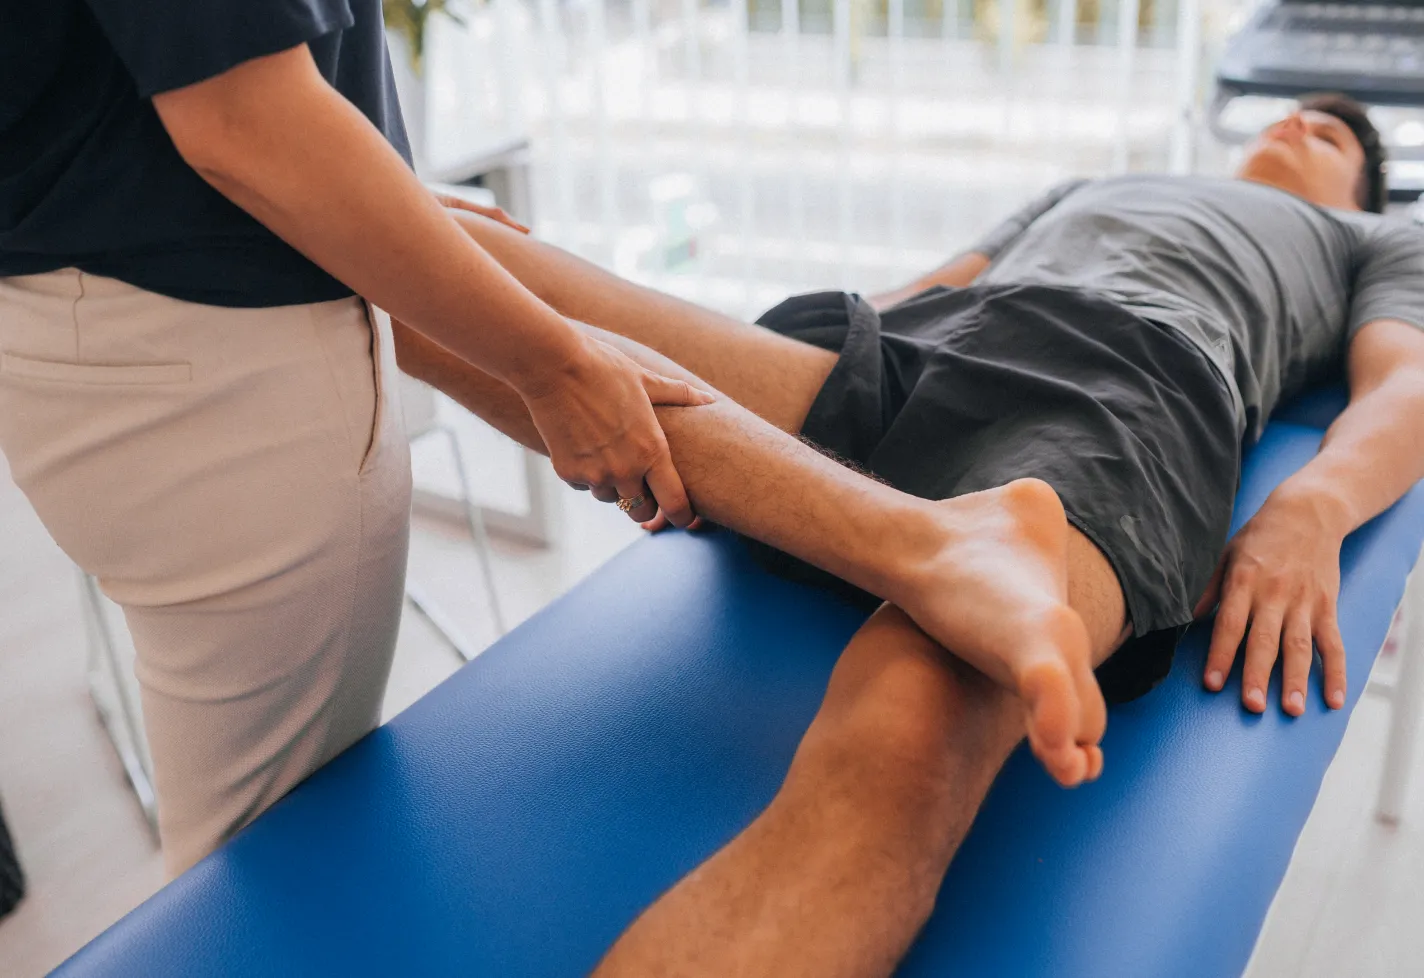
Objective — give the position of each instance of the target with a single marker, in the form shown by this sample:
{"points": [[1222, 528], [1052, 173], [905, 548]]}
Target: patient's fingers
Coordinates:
{"points": [[1262, 647], [1295, 660], [605, 494], [493, 213], [1332, 657], [1226, 636]]}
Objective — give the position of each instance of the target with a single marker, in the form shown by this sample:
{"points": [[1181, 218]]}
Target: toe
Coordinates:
{"points": [[1068, 766], [1093, 708], [1048, 691], [1095, 763]]}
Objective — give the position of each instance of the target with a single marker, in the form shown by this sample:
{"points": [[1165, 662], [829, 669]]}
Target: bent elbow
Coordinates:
{"points": [[206, 137], [224, 126]]}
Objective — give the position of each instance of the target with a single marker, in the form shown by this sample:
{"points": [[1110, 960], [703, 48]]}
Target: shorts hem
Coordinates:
{"points": [[1141, 617]]}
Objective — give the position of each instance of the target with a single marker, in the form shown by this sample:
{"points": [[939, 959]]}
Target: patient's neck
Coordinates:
{"points": [[1291, 183], [1297, 184]]}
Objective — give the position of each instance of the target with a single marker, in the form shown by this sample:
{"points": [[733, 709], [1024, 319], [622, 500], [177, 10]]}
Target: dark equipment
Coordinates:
{"points": [[1373, 52], [12, 881]]}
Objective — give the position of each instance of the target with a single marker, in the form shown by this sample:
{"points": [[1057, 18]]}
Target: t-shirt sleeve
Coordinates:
{"points": [[1007, 232], [167, 44], [1389, 283]]}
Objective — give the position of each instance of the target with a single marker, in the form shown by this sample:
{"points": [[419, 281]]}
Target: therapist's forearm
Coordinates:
{"points": [[281, 143]]}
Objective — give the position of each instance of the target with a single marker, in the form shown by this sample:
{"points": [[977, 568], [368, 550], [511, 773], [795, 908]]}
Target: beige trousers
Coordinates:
{"points": [[238, 481]]}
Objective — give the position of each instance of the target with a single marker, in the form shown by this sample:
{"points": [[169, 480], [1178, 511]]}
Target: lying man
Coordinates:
{"points": [[1078, 411]]}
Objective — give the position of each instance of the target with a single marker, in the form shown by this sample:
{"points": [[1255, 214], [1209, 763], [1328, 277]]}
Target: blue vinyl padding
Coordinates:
{"points": [[516, 819]]}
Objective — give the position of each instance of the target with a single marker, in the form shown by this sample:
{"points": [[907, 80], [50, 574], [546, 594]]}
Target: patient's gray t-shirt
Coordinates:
{"points": [[1269, 286]]}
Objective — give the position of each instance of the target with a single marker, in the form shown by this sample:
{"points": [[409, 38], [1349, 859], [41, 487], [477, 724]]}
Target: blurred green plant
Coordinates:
{"points": [[408, 19]]}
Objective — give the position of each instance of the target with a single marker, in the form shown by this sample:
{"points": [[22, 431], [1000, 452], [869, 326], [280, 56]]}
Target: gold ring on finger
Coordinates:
{"points": [[629, 503]]}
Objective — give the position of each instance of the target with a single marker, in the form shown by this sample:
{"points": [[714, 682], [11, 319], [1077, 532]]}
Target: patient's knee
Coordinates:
{"points": [[910, 727], [895, 740]]}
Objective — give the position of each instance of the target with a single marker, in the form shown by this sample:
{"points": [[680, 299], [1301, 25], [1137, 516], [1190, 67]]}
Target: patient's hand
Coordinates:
{"points": [[1280, 577], [493, 213]]}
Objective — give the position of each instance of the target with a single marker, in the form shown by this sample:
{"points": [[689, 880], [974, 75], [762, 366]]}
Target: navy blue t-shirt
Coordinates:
{"points": [[88, 175]]}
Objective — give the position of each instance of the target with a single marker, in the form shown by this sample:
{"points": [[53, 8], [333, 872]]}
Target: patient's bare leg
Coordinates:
{"points": [[986, 574], [837, 876], [771, 375], [774, 377], [839, 873]]}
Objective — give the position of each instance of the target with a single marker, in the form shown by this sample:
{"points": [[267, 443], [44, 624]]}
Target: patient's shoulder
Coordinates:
{"points": [[1381, 226], [1383, 236]]}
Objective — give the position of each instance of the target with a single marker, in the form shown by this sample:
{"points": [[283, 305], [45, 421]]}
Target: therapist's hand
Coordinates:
{"points": [[660, 523], [1280, 578], [595, 415]]}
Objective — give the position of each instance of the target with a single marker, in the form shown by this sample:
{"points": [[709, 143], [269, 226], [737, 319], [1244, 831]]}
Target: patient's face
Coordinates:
{"points": [[1311, 154]]}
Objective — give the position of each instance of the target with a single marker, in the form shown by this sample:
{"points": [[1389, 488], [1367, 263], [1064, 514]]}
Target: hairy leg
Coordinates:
{"points": [[771, 375], [839, 873], [985, 574], [774, 377], [835, 878]]}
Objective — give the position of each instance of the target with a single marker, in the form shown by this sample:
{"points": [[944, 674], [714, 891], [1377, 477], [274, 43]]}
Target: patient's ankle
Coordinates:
{"points": [[1026, 514], [902, 550]]}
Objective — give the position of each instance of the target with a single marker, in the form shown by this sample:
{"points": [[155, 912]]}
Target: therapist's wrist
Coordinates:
{"points": [[548, 363]]}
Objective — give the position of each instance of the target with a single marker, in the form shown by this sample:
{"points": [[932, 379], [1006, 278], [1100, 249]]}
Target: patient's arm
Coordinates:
{"points": [[1281, 573], [967, 267], [954, 274]]}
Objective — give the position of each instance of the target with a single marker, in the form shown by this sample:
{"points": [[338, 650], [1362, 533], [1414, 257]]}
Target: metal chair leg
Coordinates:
{"points": [[120, 722], [449, 631], [476, 521], [1407, 699]]}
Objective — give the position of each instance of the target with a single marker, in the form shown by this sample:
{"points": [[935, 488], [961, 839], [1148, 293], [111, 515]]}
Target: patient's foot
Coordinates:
{"points": [[995, 593]]}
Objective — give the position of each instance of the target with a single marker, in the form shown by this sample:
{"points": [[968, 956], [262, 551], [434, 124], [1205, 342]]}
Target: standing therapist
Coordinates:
{"points": [[195, 195]]}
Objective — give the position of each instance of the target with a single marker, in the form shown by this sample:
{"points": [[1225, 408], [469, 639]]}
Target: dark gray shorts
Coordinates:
{"points": [[958, 390]]}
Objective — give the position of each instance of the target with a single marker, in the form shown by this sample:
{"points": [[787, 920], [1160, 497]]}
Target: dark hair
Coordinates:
{"points": [[1371, 192]]}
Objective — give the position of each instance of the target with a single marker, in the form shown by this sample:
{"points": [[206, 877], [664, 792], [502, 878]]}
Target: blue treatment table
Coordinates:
{"points": [[517, 818]]}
